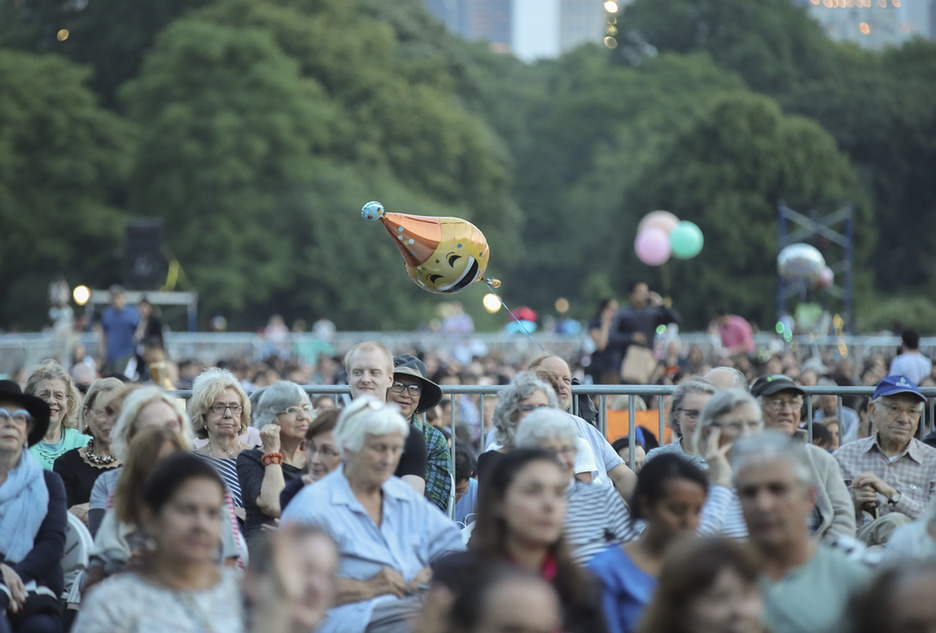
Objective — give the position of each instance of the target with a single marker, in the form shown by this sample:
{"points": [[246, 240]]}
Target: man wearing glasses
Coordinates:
{"points": [[891, 474], [781, 403], [370, 371]]}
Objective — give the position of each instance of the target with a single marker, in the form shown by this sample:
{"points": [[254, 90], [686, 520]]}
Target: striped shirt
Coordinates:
{"points": [[721, 514], [596, 518], [227, 468]]}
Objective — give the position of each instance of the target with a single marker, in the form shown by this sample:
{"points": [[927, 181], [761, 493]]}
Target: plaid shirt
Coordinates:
{"points": [[438, 465], [912, 473]]}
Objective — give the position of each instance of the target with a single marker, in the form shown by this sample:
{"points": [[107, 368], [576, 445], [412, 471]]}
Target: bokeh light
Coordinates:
{"points": [[491, 303], [81, 295]]}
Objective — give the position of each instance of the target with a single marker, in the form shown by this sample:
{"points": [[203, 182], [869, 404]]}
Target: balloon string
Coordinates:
{"points": [[520, 323]]}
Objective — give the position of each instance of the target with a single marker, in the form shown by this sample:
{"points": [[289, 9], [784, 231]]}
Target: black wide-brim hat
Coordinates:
{"points": [[36, 407], [411, 366]]}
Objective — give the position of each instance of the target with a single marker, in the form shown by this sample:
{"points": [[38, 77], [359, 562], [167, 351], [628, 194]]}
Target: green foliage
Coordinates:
{"points": [[880, 110], [726, 173], [771, 43], [896, 313], [266, 129], [111, 36], [258, 128], [62, 161]]}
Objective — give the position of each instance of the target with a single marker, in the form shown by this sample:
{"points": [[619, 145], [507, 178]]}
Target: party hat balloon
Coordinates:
{"points": [[442, 255]]}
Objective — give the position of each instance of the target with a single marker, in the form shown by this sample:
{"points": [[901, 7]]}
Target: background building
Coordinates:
{"points": [[530, 29], [874, 23]]}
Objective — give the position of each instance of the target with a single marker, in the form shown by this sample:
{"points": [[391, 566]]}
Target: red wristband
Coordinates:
{"points": [[272, 458]]}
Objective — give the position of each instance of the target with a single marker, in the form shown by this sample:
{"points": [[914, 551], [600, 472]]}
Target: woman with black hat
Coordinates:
{"points": [[32, 518], [414, 394]]}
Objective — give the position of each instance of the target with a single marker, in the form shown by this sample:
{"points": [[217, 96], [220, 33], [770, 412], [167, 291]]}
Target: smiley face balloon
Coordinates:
{"points": [[442, 255]]}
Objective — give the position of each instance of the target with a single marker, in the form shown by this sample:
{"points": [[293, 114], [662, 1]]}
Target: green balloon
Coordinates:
{"points": [[686, 240]]}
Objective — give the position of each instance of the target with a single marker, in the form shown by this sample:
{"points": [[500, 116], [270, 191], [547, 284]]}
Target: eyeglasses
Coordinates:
{"points": [[527, 408], [894, 410], [297, 410], [102, 413], [778, 404], [218, 409], [58, 396], [692, 414], [413, 390], [20, 416]]}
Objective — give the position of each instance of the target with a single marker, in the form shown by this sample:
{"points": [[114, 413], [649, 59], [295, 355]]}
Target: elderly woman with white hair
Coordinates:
{"points": [[282, 413], [524, 395], [388, 535], [220, 413], [689, 399], [596, 516], [729, 415]]}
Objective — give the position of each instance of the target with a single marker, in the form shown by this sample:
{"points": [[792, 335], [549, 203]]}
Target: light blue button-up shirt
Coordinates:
{"points": [[413, 533]]}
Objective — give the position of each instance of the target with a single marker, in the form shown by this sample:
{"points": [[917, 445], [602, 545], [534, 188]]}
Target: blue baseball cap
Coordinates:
{"points": [[892, 385]]}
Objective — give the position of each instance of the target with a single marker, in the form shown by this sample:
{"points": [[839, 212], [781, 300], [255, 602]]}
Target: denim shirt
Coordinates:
{"points": [[413, 533]]}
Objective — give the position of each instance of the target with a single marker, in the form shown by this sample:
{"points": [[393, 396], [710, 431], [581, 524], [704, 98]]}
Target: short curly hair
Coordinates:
{"points": [[208, 387], [507, 410]]}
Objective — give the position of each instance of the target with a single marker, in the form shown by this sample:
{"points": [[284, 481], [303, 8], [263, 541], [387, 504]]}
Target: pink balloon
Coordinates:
{"points": [[826, 276], [663, 220], [652, 246]]}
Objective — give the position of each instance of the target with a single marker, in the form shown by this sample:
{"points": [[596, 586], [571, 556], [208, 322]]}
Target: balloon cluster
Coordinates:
{"points": [[804, 263], [661, 234]]}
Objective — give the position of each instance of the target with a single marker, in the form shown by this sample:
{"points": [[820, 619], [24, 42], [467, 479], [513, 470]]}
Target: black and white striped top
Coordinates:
{"points": [[596, 518], [227, 468]]}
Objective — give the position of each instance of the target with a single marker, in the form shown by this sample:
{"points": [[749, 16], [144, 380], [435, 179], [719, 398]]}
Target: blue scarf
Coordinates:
{"points": [[24, 503]]}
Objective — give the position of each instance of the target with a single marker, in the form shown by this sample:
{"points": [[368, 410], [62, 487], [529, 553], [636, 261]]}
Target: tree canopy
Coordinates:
{"points": [[256, 129]]}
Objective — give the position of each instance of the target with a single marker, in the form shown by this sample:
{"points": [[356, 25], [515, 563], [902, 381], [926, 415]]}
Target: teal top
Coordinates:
{"points": [[813, 598], [48, 453]]}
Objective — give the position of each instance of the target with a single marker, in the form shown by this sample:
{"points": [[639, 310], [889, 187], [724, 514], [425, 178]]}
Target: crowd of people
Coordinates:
{"points": [[251, 506]]}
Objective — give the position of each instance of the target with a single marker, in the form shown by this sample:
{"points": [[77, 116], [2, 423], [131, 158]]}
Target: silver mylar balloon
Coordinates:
{"points": [[800, 262]]}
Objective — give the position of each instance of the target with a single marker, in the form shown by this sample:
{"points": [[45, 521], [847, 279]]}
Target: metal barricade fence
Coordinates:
{"points": [[647, 392]]}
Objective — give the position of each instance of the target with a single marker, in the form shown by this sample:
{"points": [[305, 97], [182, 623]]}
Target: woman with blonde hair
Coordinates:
{"points": [[220, 412], [80, 467], [50, 382], [120, 541]]}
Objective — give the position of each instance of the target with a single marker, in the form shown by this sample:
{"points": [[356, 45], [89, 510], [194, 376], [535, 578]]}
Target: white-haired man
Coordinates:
{"points": [[806, 584]]}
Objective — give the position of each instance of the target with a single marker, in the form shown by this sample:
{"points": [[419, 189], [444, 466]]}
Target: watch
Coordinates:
{"points": [[894, 498]]}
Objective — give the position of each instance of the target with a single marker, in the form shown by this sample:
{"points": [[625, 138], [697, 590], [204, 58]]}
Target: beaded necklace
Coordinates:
{"points": [[98, 460]]}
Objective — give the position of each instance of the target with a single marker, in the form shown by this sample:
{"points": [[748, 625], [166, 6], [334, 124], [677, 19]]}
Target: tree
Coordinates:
{"points": [[593, 134], [62, 166], [111, 36], [229, 132], [727, 173], [879, 109], [772, 44], [253, 110]]}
